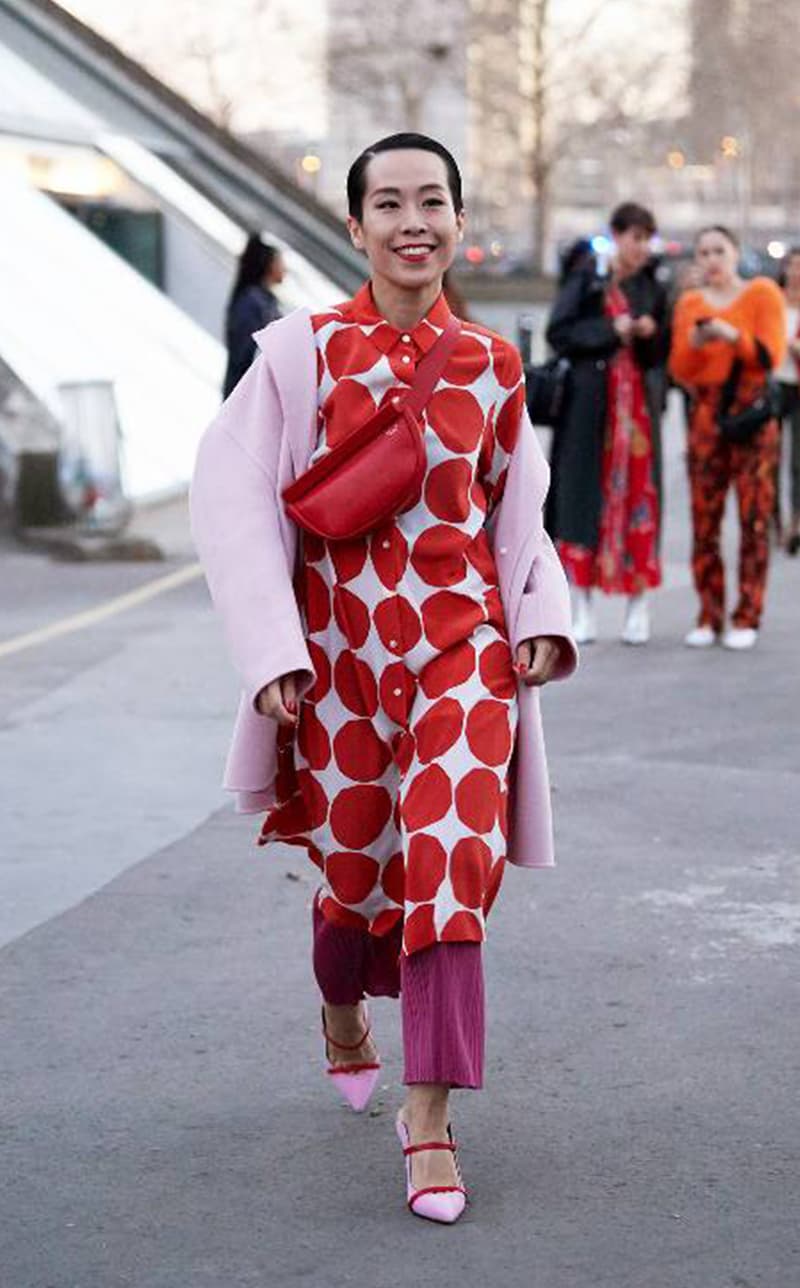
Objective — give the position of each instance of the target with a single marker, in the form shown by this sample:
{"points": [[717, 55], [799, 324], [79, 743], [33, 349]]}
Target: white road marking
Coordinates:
{"points": [[118, 760], [120, 604]]}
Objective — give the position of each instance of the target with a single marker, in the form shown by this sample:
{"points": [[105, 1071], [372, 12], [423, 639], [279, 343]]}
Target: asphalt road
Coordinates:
{"points": [[164, 1122]]}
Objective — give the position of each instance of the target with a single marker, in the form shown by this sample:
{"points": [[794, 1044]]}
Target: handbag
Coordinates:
{"points": [[741, 426], [377, 471], [546, 388]]}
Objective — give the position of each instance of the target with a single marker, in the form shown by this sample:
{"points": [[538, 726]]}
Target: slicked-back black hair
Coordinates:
{"points": [[357, 176]]}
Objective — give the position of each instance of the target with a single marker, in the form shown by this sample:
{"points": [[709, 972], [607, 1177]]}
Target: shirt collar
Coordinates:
{"points": [[362, 309]]}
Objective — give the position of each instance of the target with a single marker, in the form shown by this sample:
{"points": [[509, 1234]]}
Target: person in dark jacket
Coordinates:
{"points": [[604, 511], [252, 305]]}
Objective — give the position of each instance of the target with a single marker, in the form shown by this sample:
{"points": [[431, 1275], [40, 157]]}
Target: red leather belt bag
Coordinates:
{"points": [[377, 471]]}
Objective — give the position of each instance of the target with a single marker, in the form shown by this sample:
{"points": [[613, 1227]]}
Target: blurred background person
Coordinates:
{"points": [[788, 373], [578, 255], [252, 305], [606, 458], [724, 320]]}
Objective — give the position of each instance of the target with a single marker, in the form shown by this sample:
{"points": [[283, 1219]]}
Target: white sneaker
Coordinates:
{"points": [[584, 622], [637, 620], [740, 637], [701, 637]]}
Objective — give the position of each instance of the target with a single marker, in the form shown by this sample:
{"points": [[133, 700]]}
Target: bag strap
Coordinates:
{"points": [[728, 393], [431, 367]]}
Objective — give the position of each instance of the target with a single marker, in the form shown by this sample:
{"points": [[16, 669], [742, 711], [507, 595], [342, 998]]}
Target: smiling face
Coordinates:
{"points": [[409, 227], [717, 258]]}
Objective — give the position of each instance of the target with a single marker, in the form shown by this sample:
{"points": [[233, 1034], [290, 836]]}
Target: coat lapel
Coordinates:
{"points": [[289, 346]]}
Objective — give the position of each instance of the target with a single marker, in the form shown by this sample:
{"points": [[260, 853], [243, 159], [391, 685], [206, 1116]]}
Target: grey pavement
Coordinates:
{"points": [[164, 1120]]}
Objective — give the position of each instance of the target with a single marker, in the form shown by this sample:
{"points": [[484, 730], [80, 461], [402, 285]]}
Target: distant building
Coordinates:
{"points": [[124, 210], [464, 84]]}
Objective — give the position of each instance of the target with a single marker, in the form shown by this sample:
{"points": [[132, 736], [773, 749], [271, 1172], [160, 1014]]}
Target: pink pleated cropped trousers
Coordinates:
{"points": [[441, 991]]}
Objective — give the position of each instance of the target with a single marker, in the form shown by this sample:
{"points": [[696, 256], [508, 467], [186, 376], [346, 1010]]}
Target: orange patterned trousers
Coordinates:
{"points": [[715, 464]]}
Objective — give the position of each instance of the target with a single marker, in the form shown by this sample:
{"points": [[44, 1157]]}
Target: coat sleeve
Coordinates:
{"points": [[234, 507], [767, 331], [574, 332], [544, 608], [685, 363], [655, 351]]}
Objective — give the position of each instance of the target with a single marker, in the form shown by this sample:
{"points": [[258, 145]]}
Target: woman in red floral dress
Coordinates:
{"points": [[603, 510], [393, 766]]}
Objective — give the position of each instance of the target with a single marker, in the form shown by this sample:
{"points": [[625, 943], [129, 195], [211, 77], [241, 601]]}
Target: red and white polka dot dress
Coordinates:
{"points": [[397, 780]]}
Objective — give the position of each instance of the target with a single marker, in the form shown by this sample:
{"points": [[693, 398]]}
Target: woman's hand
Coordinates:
{"points": [[645, 327], [715, 329], [623, 325], [698, 336], [537, 659], [278, 700]]}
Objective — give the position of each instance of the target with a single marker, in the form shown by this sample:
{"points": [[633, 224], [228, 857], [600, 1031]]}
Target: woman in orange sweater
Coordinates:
{"points": [[727, 319]]}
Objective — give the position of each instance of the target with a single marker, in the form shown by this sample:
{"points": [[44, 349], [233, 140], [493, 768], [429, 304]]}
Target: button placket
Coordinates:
{"points": [[405, 353]]}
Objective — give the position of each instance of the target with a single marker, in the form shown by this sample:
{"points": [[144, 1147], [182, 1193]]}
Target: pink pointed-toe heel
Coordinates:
{"points": [[355, 1081], [443, 1203]]}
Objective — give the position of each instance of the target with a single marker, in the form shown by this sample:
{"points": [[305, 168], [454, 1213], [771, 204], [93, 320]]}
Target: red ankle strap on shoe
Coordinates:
{"points": [[343, 1046], [431, 1144]]}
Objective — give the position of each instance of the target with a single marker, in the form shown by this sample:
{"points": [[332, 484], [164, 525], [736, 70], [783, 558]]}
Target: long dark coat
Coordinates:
{"points": [[580, 330], [252, 309]]}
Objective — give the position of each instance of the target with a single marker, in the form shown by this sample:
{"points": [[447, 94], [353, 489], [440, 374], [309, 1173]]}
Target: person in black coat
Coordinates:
{"points": [[252, 305], [595, 319]]}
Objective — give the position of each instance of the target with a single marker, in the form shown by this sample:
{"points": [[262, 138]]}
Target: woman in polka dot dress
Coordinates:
{"points": [[393, 682]]}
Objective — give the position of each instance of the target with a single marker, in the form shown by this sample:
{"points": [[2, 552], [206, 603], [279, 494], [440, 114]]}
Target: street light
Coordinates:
{"points": [[730, 147], [311, 164], [676, 160]]}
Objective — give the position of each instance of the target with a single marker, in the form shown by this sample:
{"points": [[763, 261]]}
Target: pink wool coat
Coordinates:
{"points": [[259, 442]]}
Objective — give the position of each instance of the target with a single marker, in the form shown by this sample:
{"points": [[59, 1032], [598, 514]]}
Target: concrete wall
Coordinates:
{"points": [[197, 274]]}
